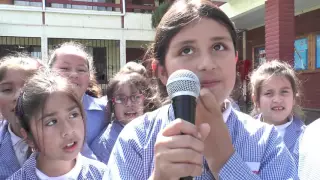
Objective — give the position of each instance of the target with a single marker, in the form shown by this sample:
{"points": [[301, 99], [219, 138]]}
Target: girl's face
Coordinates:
{"points": [[276, 100], [128, 103], [10, 87], [206, 48], [58, 130], [75, 68]]}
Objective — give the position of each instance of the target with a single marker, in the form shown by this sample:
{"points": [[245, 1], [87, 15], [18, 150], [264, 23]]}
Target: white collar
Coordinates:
{"points": [[73, 174], [284, 126], [14, 138], [226, 113]]}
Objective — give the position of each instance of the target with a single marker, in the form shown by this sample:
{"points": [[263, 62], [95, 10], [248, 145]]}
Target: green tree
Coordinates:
{"points": [[158, 13]]}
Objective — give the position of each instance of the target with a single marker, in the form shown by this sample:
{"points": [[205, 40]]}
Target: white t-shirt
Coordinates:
{"points": [[20, 147], [71, 175]]}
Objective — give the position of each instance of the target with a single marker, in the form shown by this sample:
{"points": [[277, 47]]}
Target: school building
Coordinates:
{"points": [[288, 30], [114, 31], [118, 31]]}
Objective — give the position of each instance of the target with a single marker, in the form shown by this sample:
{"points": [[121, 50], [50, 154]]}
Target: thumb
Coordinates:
{"points": [[204, 130]]}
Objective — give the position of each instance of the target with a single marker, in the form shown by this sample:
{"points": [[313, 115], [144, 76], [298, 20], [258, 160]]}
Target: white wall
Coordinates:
{"points": [[26, 21]]}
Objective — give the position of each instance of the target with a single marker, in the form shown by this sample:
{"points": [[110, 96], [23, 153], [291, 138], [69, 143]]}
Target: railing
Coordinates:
{"points": [[100, 5]]}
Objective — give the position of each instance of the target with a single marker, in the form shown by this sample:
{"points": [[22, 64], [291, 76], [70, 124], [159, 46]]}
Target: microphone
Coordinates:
{"points": [[183, 88]]}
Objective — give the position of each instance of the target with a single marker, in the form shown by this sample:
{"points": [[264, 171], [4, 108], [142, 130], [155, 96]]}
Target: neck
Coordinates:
{"points": [[268, 121], [54, 168], [15, 128]]}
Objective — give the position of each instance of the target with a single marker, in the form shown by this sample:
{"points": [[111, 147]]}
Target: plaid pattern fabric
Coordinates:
{"points": [[260, 152]]}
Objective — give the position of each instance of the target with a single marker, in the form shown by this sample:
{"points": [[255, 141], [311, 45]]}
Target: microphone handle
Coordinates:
{"points": [[184, 107], [187, 178]]}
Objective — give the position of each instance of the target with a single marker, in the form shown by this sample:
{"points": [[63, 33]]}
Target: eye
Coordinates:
{"points": [[52, 122], [64, 68], [268, 94], [7, 90], [218, 47], [186, 51], [82, 70], [137, 97], [74, 115]]}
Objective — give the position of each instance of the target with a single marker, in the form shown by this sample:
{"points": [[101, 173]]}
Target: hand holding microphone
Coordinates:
{"points": [[179, 147]]}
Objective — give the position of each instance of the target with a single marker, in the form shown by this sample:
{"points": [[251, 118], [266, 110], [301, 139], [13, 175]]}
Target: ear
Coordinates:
{"points": [[237, 56], [162, 74], [27, 138]]}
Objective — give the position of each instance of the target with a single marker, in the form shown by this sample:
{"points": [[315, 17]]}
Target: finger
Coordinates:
{"points": [[204, 130], [180, 141], [208, 100], [183, 170], [188, 156], [180, 126]]}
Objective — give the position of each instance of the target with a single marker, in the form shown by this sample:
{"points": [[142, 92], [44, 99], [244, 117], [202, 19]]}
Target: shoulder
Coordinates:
{"points": [[92, 167], [102, 101], [111, 131], [3, 129], [147, 126], [252, 125], [92, 103], [299, 124], [27, 171]]}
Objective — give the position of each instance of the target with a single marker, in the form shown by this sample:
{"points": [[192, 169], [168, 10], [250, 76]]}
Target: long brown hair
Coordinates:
{"points": [[179, 15], [35, 93]]}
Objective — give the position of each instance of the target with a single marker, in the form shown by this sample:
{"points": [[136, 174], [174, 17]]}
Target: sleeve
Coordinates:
{"points": [[276, 163], [102, 146], [87, 152], [309, 158]]}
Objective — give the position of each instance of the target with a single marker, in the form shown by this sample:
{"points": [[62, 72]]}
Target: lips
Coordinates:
{"points": [[209, 83], [278, 108], [130, 114], [70, 147]]}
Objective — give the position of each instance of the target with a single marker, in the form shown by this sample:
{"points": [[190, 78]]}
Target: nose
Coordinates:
{"points": [[207, 62], [73, 74], [277, 99], [129, 102], [66, 129]]}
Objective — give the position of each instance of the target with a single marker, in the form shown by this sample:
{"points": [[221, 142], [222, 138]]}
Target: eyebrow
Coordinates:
{"points": [[192, 41], [6, 83], [54, 113], [221, 38]]}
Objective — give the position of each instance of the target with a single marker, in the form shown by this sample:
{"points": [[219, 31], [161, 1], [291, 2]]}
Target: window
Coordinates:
{"points": [[259, 56], [301, 54], [318, 51]]}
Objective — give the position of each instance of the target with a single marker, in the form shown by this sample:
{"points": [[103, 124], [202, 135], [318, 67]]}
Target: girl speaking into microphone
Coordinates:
{"points": [[223, 144]]}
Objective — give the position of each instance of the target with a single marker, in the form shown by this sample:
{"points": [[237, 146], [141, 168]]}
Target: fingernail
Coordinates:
{"points": [[199, 135]]}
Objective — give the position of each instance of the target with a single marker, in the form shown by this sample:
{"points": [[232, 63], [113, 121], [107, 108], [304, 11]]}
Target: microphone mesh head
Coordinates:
{"points": [[183, 82]]}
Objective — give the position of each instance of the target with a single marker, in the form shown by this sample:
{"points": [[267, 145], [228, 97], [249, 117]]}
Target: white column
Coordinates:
{"points": [[244, 45], [44, 48], [244, 56], [123, 55]]}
